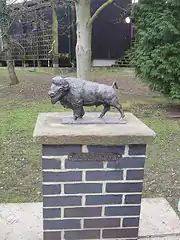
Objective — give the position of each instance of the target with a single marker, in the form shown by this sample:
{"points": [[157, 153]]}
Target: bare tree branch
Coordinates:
{"points": [[14, 18], [95, 15], [116, 5]]}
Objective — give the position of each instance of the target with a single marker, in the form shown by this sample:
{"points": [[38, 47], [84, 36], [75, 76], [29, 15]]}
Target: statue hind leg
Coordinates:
{"points": [[105, 110], [118, 106]]}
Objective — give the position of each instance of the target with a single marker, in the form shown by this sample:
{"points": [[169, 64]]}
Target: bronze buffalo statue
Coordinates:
{"points": [[74, 93]]}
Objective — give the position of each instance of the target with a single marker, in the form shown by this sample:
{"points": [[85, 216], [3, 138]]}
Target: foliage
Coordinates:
{"points": [[156, 51]]}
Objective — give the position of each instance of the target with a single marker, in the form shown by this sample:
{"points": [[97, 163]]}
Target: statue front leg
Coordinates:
{"points": [[82, 112], [77, 111]]}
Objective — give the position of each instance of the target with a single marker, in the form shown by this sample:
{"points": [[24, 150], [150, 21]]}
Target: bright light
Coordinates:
{"points": [[127, 20]]}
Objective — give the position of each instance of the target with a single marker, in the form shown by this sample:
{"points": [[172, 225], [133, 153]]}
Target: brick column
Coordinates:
{"points": [[92, 191]]}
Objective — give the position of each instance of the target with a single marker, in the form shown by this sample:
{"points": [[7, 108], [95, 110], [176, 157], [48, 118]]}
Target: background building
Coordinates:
{"points": [[44, 33]]}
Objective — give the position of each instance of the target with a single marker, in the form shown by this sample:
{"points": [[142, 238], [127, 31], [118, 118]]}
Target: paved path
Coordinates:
{"points": [[24, 221]]}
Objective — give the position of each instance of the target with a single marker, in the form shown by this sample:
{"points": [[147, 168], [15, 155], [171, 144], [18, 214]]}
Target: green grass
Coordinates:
{"points": [[162, 166], [20, 163], [20, 158]]}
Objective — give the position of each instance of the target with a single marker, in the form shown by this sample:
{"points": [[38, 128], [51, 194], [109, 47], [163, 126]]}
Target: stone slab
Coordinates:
{"points": [[49, 129], [170, 237], [157, 217], [92, 120], [24, 221]]}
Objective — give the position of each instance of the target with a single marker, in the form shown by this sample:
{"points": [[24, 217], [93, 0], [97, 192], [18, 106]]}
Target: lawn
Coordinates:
{"points": [[20, 163]]}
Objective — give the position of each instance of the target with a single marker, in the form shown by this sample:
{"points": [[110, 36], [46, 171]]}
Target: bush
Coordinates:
{"points": [[156, 51]]}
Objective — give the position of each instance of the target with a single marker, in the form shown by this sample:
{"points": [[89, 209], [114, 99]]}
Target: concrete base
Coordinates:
{"points": [[55, 65], [92, 120], [24, 221], [103, 62], [49, 130]]}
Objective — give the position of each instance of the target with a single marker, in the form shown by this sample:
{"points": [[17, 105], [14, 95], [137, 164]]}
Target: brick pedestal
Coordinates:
{"points": [[92, 187]]}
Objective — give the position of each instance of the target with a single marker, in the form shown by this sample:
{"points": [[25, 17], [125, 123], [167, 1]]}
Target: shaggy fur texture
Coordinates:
{"points": [[74, 93]]}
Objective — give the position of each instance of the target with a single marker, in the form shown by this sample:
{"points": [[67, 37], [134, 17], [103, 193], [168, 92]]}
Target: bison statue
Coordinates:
{"points": [[74, 93]]}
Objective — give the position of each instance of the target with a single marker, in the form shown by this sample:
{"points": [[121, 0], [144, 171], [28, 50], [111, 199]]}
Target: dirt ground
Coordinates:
{"points": [[130, 88]]}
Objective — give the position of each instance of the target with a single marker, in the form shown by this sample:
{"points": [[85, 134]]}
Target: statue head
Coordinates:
{"points": [[59, 89]]}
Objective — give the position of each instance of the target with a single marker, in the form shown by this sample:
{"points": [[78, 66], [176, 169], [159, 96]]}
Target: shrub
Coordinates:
{"points": [[156, 51]]}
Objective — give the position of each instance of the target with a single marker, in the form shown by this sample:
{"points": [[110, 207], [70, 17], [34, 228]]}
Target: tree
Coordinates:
{"points": [[156, 52], [13, 11], [33, 31], [84, 33], [6, 22]]}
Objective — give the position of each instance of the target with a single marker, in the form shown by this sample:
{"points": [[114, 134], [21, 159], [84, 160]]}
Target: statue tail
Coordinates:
{"points": [[114, 85]]}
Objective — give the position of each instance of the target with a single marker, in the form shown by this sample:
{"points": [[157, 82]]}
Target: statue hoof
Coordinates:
{"points": [[122, 117], [75, 118]]}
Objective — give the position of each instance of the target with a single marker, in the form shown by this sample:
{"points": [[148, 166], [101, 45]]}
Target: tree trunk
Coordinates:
{"points": [[83, 45], [55, 37], [9, 59]]}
